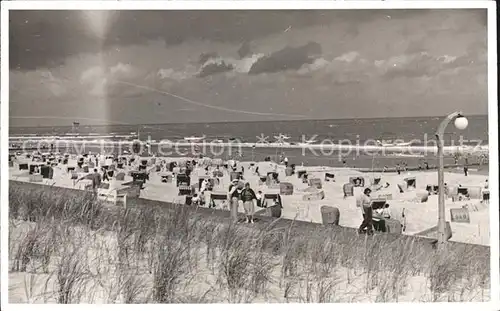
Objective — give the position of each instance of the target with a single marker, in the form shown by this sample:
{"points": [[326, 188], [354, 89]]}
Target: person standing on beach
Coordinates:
{"points": [[364, 202], [485, 192], [248, 196], [204, 185], [96, 180], [446, 190], [233, 198], [260, 199], [105, 176]]}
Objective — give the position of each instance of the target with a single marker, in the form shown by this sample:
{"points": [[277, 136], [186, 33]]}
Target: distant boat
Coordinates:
{"points": [[194, 138]]}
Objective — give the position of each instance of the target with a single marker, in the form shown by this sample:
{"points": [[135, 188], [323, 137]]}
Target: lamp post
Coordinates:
{"points": [[460, 123]]}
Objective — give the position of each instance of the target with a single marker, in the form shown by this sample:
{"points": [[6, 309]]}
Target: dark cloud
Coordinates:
{"points": [[287, 59], [211, 64], [45, 38], [121, 77], [214, 68]]}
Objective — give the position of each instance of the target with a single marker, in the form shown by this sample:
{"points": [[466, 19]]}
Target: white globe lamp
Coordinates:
{"points": [[461, 123]]}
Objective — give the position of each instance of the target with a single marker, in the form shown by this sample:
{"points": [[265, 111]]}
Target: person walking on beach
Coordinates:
{"points": [[364, 202], [248, 196], [233, 198]]}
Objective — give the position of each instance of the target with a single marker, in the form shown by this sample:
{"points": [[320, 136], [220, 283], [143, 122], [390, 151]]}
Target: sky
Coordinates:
{"points": [[138, 67]]}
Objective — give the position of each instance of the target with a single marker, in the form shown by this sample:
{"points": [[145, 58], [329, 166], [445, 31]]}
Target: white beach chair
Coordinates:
{"points": [[111, 195]]}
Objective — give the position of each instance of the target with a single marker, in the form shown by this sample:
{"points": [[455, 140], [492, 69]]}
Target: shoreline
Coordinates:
{"points": [[328, 147], [361, 162]]}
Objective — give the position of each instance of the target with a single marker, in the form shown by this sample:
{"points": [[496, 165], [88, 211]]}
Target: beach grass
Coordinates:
{"points": [[66, 247]]}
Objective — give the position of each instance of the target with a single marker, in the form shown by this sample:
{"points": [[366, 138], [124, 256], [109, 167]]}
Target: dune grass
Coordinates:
{"points": [[66, 247]]}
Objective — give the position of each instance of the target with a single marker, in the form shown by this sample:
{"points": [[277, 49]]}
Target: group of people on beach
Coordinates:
{"points": [[239, 190], [246, 195], [249, 198]]}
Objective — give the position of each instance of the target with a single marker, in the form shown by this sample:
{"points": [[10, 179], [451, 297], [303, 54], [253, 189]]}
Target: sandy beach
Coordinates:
{"points": [[407, 207]]}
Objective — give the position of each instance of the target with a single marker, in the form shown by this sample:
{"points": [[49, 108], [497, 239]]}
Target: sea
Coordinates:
{"points": [[419, 131]]}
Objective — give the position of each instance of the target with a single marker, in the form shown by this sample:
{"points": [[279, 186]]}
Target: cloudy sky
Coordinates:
{"points": [[204, 66]]}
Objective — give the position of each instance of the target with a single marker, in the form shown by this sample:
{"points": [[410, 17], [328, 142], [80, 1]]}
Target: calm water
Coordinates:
{"points": [[358, 131]]}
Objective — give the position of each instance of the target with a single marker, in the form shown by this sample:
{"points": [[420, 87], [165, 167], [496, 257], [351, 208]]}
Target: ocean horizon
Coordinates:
{"points": [[246, 121], [418, 131], [362, 129]]}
